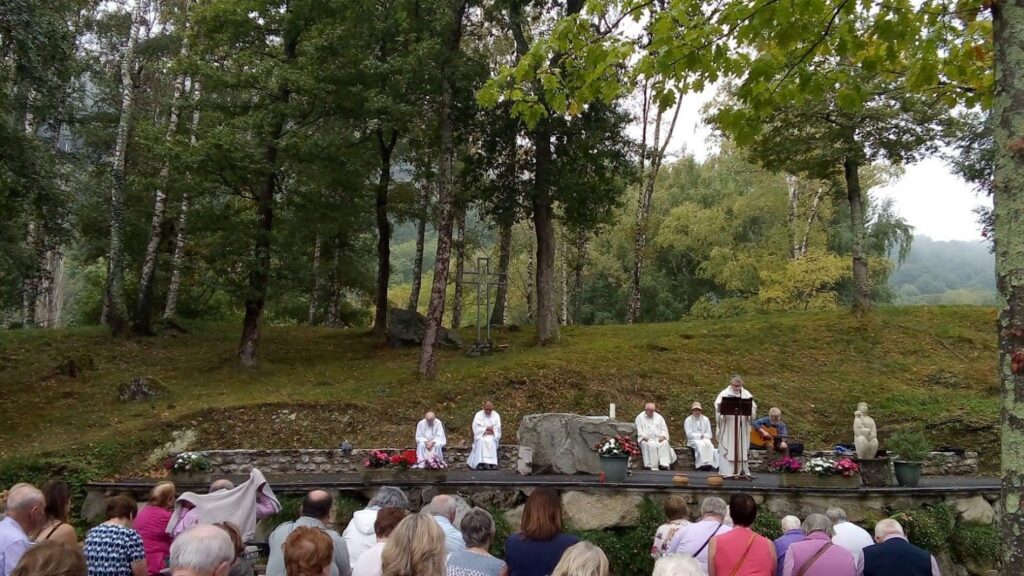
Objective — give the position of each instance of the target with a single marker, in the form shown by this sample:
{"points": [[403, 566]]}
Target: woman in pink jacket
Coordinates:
{"points": [[151, 524]]}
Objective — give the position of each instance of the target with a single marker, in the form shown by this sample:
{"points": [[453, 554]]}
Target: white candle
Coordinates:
{"points": [[611, 411]]}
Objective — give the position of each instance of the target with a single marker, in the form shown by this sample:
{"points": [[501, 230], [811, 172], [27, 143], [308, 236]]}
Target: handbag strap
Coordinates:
{"points": [[739, 563], [708, 541], [807, 566]]}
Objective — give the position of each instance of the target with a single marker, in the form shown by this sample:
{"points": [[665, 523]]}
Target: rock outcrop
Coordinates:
{"points": [[564, 443]]}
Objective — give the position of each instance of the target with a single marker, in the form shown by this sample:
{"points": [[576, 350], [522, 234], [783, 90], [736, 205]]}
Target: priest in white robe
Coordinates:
{"points": [[652, 433], [698, 436], [486, 436], [727, 439], [430, 441]]}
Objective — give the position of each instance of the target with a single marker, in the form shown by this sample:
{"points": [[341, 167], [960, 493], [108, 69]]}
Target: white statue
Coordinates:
{"points": [[865, 435]]}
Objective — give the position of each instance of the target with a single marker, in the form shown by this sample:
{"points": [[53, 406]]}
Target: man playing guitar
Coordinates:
{"points": [[770, 433]]}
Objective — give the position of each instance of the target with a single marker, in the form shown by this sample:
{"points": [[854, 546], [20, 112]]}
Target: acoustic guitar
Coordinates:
{"points": [[757, 440]]}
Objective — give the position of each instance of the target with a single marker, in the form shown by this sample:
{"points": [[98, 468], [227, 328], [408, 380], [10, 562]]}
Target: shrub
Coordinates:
{"points": [[979, 544], [930, 527], [909, 445], [767, 524], [290, 507], [629, 549], [502, 530]]}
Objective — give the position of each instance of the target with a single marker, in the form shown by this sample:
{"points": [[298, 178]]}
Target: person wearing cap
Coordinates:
{"points": [[698, 437]]}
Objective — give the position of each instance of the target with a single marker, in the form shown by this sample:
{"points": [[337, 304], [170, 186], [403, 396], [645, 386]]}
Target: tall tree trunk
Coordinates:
{"points": [[643, 211], [563, 259], [579, 265], [334, 305], [460, 268], [259, 275], [792, 184], [529, 285], [386, 146], [417, 264], [178, 260], [30, 283], [504, 256], [314, 289], [435, 311], [810, 220], [1008, 210], [52, 288], [144, 301], [861, 281], [116, 305]]}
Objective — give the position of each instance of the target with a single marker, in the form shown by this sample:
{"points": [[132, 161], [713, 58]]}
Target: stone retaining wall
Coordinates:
{"points": [[275, 462]]}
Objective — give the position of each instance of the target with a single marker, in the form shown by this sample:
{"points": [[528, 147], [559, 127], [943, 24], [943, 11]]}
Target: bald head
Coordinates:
{"points": [[444, 505], [26, 505], [205, 550], [649, 408], [886, 528], [429, 417], [222, 484], [318, 504]]}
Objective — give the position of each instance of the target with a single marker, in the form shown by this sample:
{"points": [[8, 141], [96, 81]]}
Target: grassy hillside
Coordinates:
{"points": [[931, 366]]}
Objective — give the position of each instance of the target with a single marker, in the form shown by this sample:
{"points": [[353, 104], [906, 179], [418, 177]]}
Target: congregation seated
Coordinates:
{"points": [[308, 551], [694, 539], [416, 548], [741, 550], [204, 550], [315, 512], [369, 563], [792, 532], [52, 557], [652, 436], [815, 555], [677, 512], [536, 549], [894, 555], [476, 560], [848, 535], [359, 535], [582, 559]]}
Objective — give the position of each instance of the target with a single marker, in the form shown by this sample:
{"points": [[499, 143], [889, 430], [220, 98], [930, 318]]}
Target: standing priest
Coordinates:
{"points": [[727, 428], [486, 436], [430, 441], [652, 432]]}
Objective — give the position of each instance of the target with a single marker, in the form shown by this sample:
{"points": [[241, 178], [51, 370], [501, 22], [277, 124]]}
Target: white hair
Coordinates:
{"points": [[790, 522], [23, 497], [818, 523], [202, 549], [443, 505], [836, 514], [677, 565], [774, 412], [221, 484], [888, 527], [713, 505]]}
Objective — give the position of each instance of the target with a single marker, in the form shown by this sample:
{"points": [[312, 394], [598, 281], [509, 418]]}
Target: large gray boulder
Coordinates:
{"points": [[564, 443], [406, 329]]}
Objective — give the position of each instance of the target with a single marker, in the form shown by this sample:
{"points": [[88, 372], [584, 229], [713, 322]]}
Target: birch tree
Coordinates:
{"points": [[181, 227]]}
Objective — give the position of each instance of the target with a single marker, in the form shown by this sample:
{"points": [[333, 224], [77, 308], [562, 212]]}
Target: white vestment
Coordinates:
{"points": [[727, 436], [698, 437], [430, 433], [485, 446], [655, 452]]}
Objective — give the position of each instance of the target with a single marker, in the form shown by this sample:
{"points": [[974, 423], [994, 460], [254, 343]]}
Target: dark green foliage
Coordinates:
{"points": [[767, 524], [629, 549], [909, 445], [930, 527], [344, 507], [978, 544], [502, 530], [290, 507]]}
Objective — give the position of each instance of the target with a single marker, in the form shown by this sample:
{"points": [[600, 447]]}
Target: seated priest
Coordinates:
{"points": [[486, 436], [698, 437], [774, 436], [430, 442], [652, 434]]}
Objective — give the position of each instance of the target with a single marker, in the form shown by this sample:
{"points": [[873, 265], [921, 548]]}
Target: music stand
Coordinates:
{"points": [[737, 407]]}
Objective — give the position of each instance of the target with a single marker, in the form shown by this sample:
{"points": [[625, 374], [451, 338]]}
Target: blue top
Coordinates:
{"points": [[452, 536], [466, 563], [110, 550], [767, 421], [13, 544], [782, 544], [527, 557]]}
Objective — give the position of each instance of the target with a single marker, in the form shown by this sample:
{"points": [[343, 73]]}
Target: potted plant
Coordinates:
{"points": [[188, 468], [614, 453], [382, 467], [818, 473], [910, 448]]}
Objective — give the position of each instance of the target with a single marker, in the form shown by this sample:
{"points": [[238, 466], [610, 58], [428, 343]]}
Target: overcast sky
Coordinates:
{"points": [[934, 201]]}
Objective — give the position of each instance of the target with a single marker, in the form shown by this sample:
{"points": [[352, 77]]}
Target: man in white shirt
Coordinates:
{"points": [[848, 535], [25, 516], [486, 436], [695, 538], [430, 441], [698, 436], [652, 432]]}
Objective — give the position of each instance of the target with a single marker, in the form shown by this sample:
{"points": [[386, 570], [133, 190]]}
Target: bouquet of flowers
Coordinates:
{"points": [[787, 465], [829, 467], [405, 459], [377, 459], [187, 462], [618, 446], [434, 463]]}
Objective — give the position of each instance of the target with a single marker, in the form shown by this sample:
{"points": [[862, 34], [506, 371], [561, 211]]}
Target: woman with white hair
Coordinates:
{"points": [[678, 565], [359, 535], [582, 559], [816, 555], [791, 534]]}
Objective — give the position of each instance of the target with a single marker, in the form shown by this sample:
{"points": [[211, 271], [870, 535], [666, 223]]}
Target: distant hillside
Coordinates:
{"points": [[932, 367], [946, 272]]}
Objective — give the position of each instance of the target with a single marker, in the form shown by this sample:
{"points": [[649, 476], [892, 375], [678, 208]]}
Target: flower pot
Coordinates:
{"points": [[680, 480], [876, 472], [715, 480], [614, 468], [816, 481], [908, 474], [191, 478]]}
